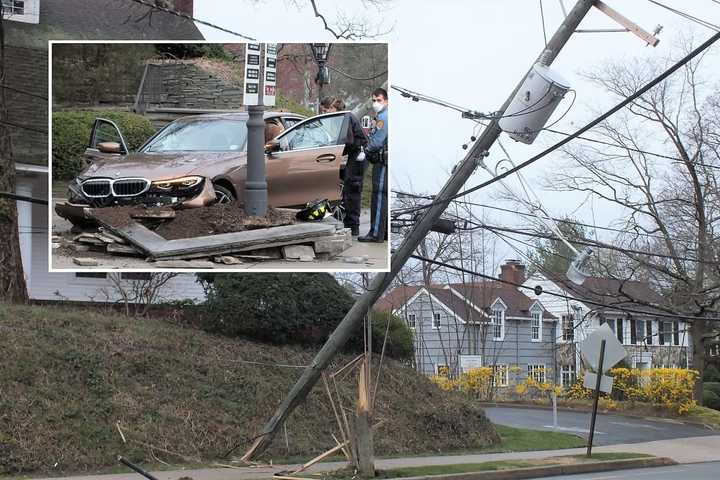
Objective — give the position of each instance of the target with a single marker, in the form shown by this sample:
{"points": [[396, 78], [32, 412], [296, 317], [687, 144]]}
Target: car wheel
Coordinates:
{"points": [[223, 195]]}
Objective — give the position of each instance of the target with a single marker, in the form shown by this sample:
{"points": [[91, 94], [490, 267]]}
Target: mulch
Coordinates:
{"points": [[195, 222]]}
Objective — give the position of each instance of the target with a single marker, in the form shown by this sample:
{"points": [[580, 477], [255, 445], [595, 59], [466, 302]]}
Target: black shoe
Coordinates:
{"points": [[370, 238], [355, 231]]}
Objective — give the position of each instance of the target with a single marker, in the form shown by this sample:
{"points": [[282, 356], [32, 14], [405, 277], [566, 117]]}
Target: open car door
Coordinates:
{"points": [[106, 141], [305, 160]]}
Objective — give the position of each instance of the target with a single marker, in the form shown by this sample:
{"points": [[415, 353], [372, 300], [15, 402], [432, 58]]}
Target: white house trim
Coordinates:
{"points": [[475, 307], [433, 298]]}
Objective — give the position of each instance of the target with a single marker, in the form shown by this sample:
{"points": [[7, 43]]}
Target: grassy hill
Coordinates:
{"points": [[69, 377]]}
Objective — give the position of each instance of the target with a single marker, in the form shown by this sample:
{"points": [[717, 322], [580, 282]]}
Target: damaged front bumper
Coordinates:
{"points": [[77, 209]]}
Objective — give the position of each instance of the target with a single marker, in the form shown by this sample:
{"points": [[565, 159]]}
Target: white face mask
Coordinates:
{"points": [[377, 106]]}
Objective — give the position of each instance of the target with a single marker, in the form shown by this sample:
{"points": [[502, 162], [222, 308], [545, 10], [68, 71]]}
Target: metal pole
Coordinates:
{"points": [[255, 181], [137, 469], [381, 281], [596, 398]]}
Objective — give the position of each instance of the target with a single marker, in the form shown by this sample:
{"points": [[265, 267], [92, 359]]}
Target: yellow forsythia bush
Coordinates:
{"points": [[476, 381], [670, 387]]}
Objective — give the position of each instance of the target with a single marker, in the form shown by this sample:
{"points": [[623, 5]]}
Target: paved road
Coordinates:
{"points": [[694, 471], [609, 429]]}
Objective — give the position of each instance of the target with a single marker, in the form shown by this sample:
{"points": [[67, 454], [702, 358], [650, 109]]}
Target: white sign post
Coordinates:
{"points": [[602, 350], [251, 93], [270, 74]]}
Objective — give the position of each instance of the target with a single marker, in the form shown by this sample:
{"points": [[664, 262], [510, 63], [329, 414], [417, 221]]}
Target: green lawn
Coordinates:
{"points": [[523, 440]]}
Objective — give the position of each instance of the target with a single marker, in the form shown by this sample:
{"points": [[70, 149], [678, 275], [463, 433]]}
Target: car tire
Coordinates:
{"points": [[223, 194]]}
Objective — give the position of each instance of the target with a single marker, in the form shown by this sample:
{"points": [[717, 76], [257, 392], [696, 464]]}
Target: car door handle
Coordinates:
{"points": [[326, 158]]}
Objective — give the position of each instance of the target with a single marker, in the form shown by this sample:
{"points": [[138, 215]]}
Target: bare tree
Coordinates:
{"points": [[12, 277], [137, 295], [673, 202]]}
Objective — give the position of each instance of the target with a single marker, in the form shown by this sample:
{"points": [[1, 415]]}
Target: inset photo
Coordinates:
{"points": [[204, 156]]}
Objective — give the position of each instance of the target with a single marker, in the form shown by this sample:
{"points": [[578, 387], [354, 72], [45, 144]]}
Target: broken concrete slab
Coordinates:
{"points": [[299, 252], [118, 248], [195, 264], [85, 261], [227, 260]]}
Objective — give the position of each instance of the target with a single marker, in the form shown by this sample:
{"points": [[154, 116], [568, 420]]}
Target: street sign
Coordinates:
{"points": [[270, 74], [251, 92], [590, 381], [614, 351]]}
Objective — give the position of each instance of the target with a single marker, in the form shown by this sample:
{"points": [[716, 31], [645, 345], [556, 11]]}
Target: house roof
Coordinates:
{"points": [[466, 300], [614, 293], [100, 20]]}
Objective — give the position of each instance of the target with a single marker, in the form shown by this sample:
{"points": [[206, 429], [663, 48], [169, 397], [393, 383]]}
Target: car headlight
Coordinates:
{"points": [[182, 182]]}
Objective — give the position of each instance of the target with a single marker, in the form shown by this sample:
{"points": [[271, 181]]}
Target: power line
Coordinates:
{"points": [[559, 295], [23, 127], [24, 92], [687, 16], [657, 80], [356, 78], [542, 20], [23, 198], [154, 6]]}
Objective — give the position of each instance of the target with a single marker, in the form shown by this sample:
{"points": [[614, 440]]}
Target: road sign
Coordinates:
{"points": [[590, 381], [270, 74], [614, 351], [251, 92]]}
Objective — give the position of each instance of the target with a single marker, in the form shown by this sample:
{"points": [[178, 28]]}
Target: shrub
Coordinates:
{"points": [[71, 132], [713, 387], [711, 399], [399, 343], [711, 374]]}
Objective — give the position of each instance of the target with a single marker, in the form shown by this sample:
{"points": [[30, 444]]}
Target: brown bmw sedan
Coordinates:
{"points": [[199, 160]]}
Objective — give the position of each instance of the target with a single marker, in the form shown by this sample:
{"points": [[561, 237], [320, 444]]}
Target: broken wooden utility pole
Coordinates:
{"points": [[363, 424], [380, 282]]}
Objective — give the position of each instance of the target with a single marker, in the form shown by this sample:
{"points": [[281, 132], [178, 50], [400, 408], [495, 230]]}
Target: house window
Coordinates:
{"points": [[676, 333], [535, 326], [13, 7], [500, 375], [442, 370], [568, 329], [136, 275], [715, 350], [637, 332], [90, 275], [567, 375], [619, 330], [498, 324], [536, 372], [665, 333], [436, 320], [411, 321], [648, 332]]}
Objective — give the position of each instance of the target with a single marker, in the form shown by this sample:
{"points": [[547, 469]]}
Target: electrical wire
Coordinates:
{"points": [[542, 20], [23, 127], [154, 6], [334, 69], [687, 16], [24, 92], [657, 80], [559, 295]]}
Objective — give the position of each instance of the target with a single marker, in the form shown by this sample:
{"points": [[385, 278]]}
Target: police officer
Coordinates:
{"points": [[355, 167], [376, 153]]}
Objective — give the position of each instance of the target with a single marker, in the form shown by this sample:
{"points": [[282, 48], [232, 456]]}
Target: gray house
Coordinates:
{"points": [[463, 326]]}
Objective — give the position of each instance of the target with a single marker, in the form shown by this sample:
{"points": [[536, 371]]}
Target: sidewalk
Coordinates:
{"points": [[682, 450]]}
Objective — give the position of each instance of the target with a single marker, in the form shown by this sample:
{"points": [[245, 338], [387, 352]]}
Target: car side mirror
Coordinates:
{"points": [[109, 147], [272, 146]]}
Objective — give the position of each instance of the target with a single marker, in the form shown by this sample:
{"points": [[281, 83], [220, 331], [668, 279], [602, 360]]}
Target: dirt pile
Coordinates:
{"points": [[193, 222], [70, 377]]}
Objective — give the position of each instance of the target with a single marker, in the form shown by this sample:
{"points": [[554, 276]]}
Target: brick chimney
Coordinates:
{"points": [[184, 6], [513, 271]]}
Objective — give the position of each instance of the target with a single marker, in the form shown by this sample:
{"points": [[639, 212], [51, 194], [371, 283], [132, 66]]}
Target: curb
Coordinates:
{"points": [[553, 470], [604, 412]]}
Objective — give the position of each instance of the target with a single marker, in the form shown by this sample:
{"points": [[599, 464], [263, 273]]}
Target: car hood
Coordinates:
{"points": [[165, 166]]}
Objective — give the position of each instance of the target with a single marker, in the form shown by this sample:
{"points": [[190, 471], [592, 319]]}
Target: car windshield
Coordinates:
{"points": [[216, 135]]}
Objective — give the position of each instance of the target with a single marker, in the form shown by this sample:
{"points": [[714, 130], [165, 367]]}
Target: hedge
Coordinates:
{"points": [[71, 132]]}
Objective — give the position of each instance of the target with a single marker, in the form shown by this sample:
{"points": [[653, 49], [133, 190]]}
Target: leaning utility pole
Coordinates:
{"points": [[381, 281]]}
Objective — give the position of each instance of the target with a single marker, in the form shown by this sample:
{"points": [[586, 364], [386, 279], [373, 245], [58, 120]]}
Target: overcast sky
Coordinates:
{"points": [[472, 53]]}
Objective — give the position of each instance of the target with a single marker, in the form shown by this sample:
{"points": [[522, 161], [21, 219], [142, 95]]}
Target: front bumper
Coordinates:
{"points": [[77, 208]]}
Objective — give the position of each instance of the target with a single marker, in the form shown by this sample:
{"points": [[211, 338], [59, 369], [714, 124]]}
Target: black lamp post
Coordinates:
{"points": [[321, 52]]}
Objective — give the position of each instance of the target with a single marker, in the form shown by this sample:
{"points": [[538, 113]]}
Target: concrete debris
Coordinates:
{"points": [[303, 253], [85, 261], [227, 260], [362, 259]]}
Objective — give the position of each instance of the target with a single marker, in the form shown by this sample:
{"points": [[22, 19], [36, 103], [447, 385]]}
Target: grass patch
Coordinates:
{"points": [[705, 415], [488, 466], [524, 440]]}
